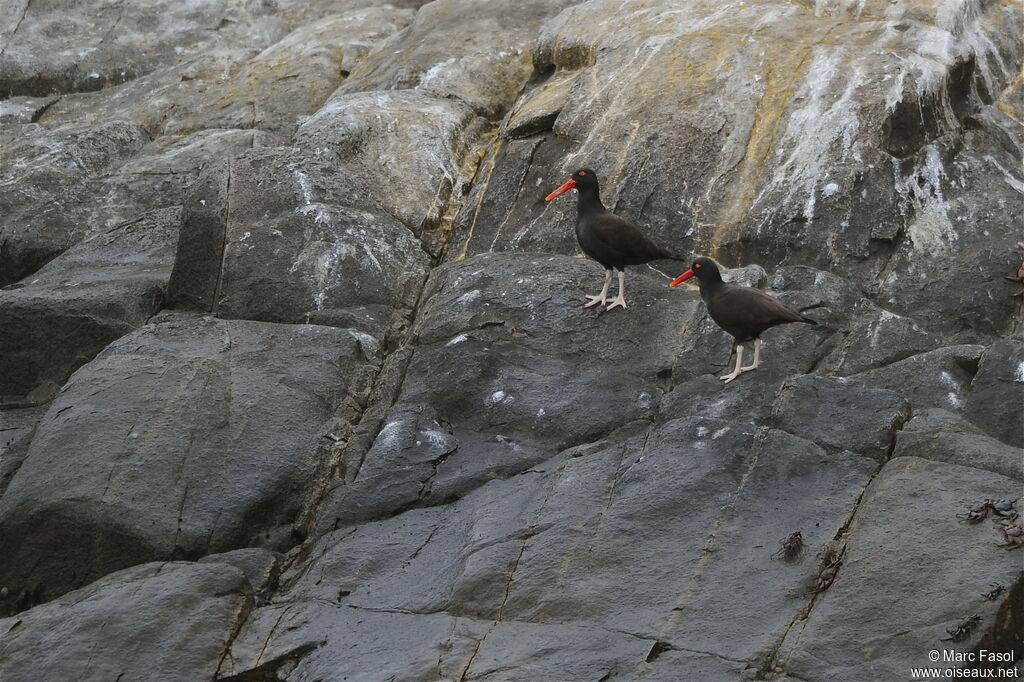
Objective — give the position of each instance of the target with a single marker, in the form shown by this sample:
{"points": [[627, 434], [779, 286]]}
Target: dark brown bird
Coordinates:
{"points": [[612, 241], [742, 311]]}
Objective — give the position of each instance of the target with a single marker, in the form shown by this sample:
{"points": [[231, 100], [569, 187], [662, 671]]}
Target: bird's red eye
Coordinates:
{"points": [[697, 266], [581, 173]]}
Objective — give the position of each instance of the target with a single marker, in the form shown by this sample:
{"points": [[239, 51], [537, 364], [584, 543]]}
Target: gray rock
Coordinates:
{"points": [[997, 392], [902, 583], [283, 236], [87, 297], [407, 139], [40, 164], [168, 621], [23, 109], [574, 550], [475, 478], [878, 338], [477, 51], [837, 414], [270, 86], [705, 145], [55, 48], [940, 378], [60, 203], [941, 436], [261, 567], [17, 426], [181, 439], [536, 373]]}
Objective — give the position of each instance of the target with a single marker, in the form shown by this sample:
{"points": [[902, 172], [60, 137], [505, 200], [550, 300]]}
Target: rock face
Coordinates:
{"points": [[179, 440], [296, 382]]}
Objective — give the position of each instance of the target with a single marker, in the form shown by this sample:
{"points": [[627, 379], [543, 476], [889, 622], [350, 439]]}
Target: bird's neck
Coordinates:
{"points": [[710, 284], [588, 201]]}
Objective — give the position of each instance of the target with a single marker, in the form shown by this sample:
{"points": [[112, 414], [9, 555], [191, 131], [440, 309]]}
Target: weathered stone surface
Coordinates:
{"points": [[544, 555], [181, 439], [168, 621], [941, 436], [477, 51], [409, 148], [74, 306], [279, 235], [270, 85], [56, 48], [536, 373], [997, 392], [751, 132], [56, 199], [939, 378], [261, 567], [23, 109], [40, 163], [17, 425], [477, 479], [900, 585], [837, 414]]}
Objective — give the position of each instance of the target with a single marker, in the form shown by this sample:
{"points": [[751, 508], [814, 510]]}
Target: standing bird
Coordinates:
{"points": [[742, 311], [612, 241]]}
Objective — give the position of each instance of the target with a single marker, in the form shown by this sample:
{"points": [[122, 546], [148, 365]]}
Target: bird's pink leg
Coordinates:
{"points": [[757, 358], [739, 361], [602, 297], [619, 300]]}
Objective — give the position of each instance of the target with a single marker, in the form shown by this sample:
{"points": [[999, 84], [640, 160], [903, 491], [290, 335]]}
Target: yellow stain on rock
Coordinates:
{"points": [[781, 77]]}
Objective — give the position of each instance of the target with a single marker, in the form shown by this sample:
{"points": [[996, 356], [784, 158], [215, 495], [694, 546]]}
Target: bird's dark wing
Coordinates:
{"points": [[749, 309], [626, 239]]}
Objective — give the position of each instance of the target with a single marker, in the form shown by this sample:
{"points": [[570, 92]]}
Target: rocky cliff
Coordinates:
{"points": [[297, 383]]}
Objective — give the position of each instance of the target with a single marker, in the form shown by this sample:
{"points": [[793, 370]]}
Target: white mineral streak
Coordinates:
{"points": [[930, 229], [822, 132]]}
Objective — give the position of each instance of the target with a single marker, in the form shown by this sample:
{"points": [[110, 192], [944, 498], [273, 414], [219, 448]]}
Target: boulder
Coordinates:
{"points": [[840, 415], [900, 586], [168, 621], [477, 51], [181, 439], [536, 373], [282, 236], [269, 84], [90, 295], [409, 148], [40, 164], [997, 392], [942, 436], [573, 552], [937, 379], [65, 195]]}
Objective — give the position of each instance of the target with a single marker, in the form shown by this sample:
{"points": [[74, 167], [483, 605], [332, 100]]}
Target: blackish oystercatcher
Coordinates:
{"points": [[742, 311], [612, 241]]}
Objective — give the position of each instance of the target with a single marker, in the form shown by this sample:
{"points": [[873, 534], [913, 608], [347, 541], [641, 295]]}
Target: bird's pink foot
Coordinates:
{"points": [[731, 375], [595, 300], [617, 302]]}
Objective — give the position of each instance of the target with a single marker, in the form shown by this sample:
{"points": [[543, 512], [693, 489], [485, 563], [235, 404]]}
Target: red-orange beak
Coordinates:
{"points": [[561, 190], [681, 278]]}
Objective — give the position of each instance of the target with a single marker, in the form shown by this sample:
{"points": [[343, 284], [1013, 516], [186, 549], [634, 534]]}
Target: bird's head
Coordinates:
{"points": [[582, 178], [704, 269]]}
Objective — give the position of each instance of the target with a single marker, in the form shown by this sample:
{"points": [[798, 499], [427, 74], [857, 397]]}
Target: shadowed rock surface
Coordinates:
{"points": [[296, 382]]}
